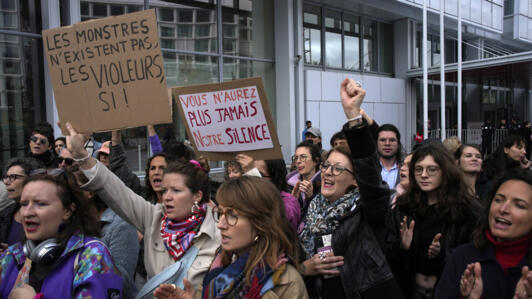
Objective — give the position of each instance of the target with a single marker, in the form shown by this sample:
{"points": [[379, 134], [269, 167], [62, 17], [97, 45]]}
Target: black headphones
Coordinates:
{"points": [[45, 253]]}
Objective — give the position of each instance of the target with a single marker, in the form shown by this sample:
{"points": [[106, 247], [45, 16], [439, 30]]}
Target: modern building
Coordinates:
{"points": [[302, 50]]}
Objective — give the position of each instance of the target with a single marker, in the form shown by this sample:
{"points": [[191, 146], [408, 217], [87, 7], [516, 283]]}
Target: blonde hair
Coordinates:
{"points": [[452, 144], [260, 202]]}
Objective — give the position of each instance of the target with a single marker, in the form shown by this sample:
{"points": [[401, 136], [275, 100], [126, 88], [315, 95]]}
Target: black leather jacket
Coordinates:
{"points": [[360, 235]]}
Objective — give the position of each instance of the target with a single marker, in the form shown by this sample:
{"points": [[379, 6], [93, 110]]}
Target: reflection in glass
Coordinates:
{"points": [[248, 31], [21, 92], [369, 45], [312, 46], [352, 52], [333, 49]]}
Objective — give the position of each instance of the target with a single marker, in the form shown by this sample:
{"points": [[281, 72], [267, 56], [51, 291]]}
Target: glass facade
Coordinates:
{"points": [[338, 40], [21, 76]]}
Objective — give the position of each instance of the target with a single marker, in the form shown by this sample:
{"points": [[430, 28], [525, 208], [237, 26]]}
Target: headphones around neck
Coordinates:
{"points": [[44, 253]]}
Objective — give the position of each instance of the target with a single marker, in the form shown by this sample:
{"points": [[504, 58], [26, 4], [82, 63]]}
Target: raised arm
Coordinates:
{"points": [[122, 200], [118, 164], [155, 142], [373, 192]]}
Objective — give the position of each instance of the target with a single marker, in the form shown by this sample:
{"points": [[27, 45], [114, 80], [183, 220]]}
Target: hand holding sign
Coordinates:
{"points": [[223, 118], [108, 73]]}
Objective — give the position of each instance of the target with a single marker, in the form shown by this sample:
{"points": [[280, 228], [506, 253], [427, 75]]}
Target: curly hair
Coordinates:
{"points": [[452, 194], [479, 238]]}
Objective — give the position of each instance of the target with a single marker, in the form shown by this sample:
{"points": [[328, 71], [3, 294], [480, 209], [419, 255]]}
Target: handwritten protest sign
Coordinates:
{"points": [[225, 118], [108, 73]]}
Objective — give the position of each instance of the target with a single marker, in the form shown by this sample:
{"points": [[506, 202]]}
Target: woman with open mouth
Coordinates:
{"points": [[182, 223], [60, 257], [497, 263], [258, 253], [344, 223], [433, 216]]}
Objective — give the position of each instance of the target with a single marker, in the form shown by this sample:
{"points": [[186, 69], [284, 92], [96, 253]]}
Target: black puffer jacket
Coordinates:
{"points": [[6, 217]]}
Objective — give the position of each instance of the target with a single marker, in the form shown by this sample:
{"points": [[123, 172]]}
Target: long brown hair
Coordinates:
{"points": [[452, 193], [259, 201]]}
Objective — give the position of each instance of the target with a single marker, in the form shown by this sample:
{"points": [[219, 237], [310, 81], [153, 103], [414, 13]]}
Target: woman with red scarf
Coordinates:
{"points": [[258, 248], [496, 264], [182, 221]]}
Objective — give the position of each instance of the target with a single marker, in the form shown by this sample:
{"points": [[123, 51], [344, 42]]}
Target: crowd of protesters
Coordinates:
{"points": [[366, 219]]}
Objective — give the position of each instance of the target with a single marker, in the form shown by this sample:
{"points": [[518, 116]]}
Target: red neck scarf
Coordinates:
{"points": [[177, 236], [509, 254]]}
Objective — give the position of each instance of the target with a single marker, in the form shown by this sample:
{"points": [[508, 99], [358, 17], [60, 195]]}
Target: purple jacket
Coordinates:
{"points": [[92, 276], [292, 209]]}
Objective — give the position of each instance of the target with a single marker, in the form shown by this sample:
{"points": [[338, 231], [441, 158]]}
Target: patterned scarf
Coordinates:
{"points": [[324, 217], [177, 236], [230, 282]]}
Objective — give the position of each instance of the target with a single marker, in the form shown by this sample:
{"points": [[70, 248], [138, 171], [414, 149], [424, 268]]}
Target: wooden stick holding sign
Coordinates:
{"points": [[223, 119], [108, 73]]}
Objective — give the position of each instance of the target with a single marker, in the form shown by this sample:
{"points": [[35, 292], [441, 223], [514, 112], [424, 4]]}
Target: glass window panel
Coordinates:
{"points": [[117, 10], [486, 13], [203, 30], [229, 46], [168, 44], [184, 30], [22, 95], [185, 15], [476, 11], [369, 46], [8, 20], [333, 49], [229, 31], [333, 20], [133, 8], [497, 17], [84, 8], [312, 46], [167, 31], [203, 15], [8, 5], [311, 14], [259, 22], [166, 14], [352, 52], [386, 49], [201, 45], [99, 10], [508, 7], [9, 51]]}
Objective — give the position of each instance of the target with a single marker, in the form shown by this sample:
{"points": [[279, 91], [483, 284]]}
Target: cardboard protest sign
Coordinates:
{"points": [[108, 73], [223, 119]]}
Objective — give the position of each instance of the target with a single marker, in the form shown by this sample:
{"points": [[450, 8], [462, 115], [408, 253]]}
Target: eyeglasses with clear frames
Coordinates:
{"points": [[337, 169], [431, 170], [301, 158], [230, 218]]}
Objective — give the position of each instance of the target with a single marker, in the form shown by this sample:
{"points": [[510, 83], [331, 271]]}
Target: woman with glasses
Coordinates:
{"points": [[181, 222], [429, 220], [305, 179], [60, 256], [345, 222], [17, 170], [258, 252], [41, 145], [496, 264]]}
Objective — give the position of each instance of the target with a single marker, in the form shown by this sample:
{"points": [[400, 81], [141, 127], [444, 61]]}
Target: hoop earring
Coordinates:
{"points": [[195, 208]]}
